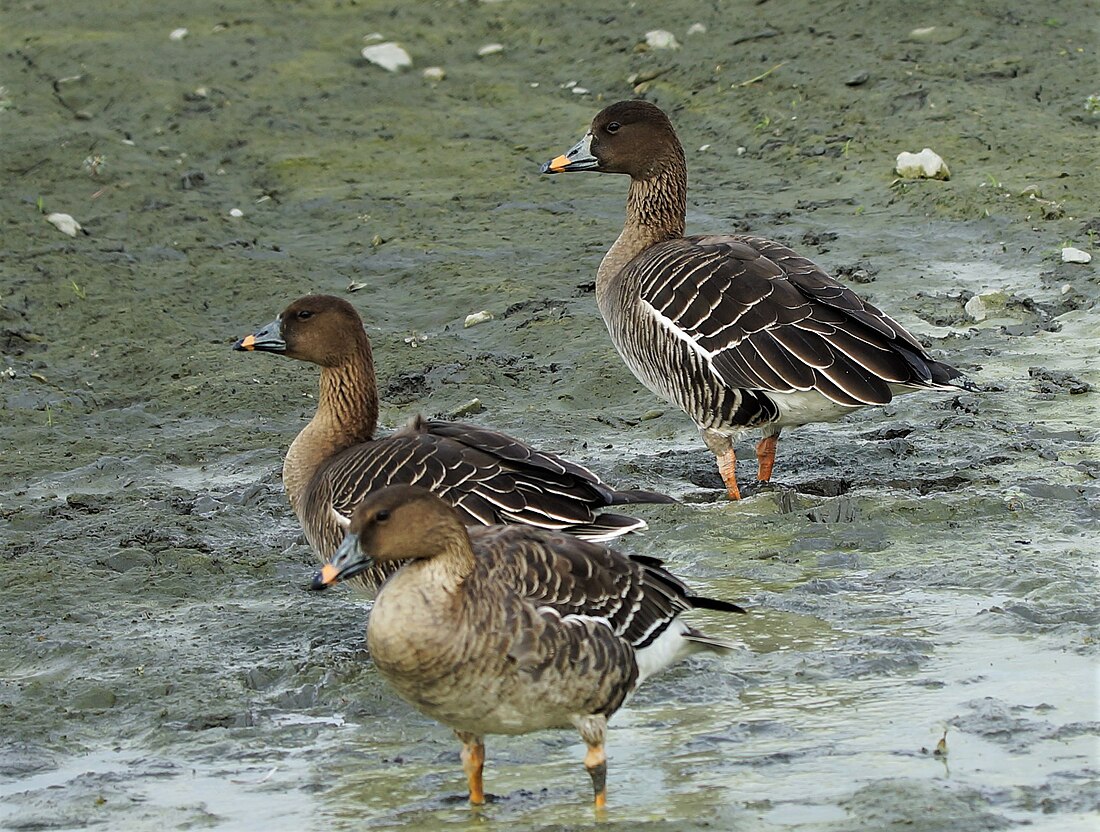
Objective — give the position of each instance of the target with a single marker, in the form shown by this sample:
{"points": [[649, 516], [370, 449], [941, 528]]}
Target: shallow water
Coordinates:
{"points": [[923, 567]]}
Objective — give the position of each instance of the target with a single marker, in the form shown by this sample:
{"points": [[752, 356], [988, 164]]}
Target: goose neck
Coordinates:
{"points": [[655, 210], [347, 415]]}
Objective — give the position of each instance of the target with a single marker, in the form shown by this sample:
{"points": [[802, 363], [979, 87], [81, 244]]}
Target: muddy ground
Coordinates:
{"points": [[921, 568]]}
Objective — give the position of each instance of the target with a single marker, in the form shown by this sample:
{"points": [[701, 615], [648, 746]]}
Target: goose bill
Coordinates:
{"points": [[579, 157], [347, 562], [266, 339]]}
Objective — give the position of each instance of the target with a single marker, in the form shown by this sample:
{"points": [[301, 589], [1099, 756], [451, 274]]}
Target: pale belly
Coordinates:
{"points": [[803, 408], [487, 702]]}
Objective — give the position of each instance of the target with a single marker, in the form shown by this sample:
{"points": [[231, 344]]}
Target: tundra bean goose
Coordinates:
{"points": [[512, 629], [738, 331], [336, 460]]}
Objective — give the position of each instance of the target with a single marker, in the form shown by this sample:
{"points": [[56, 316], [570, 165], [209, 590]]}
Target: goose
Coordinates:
{"points": [[738, 331], [336, 460], [512, 629]]}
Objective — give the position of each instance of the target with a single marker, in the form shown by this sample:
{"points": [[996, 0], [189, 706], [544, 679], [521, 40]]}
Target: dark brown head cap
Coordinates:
{"points": [[322, 329], [636, 138]]}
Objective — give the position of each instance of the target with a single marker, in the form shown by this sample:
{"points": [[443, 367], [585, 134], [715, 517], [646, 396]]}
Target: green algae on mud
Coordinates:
{"points": [[926, 565]]}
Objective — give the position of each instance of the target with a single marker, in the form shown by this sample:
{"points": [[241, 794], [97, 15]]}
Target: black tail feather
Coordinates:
{"points": [[699, 602]]}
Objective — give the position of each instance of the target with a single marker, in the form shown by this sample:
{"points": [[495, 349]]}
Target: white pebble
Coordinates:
{"points": [[580, 90], [477, 318], [434, 73], [924, 165], [389, 56], [1075, 255], [64, 223], [661, 39], [178, 34], [490, 49], [236, 212], [697, 29], [975, 308], [373, 37]]}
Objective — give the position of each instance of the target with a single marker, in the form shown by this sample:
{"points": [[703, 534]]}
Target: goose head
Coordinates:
{"points": [[320, 329], [401, 522], [631, 137]]}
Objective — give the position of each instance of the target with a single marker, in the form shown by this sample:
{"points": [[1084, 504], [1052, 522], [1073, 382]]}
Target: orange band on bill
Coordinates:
{"points": [[248, 342], [559, 163]]}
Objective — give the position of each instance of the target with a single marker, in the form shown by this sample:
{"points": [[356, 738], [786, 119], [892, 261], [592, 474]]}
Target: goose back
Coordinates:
{"points": [[488, 477], [726, 326]]}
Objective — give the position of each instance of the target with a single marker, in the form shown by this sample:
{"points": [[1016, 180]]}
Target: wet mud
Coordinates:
{"points": [[918, 572]]}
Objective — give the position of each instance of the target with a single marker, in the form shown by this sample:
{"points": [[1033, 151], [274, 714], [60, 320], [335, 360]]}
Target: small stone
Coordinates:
{"points": [[986, 305], [178, 34], [468, 409], [389, 56], [477, 318], [859, 79], [1075, 255], [64, 223], [490, 49], [236, 213], [697, 29], [975, 308], [924, 165], [661, 39], [934, 34], [644, 75], [580, 90], [434, 74]]}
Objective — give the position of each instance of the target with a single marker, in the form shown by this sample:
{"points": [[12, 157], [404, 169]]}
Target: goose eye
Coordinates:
{"points": [[613, 127], [304, 315], [382, 516]]}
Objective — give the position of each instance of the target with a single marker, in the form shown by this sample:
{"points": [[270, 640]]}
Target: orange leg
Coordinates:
{"points": [[596, 763], [727, 467], [765, 457], [473, 762]]}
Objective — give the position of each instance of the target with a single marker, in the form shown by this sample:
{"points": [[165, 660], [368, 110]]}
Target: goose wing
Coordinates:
{"points": [[635, 596], [766, 318], [488, 476]]}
